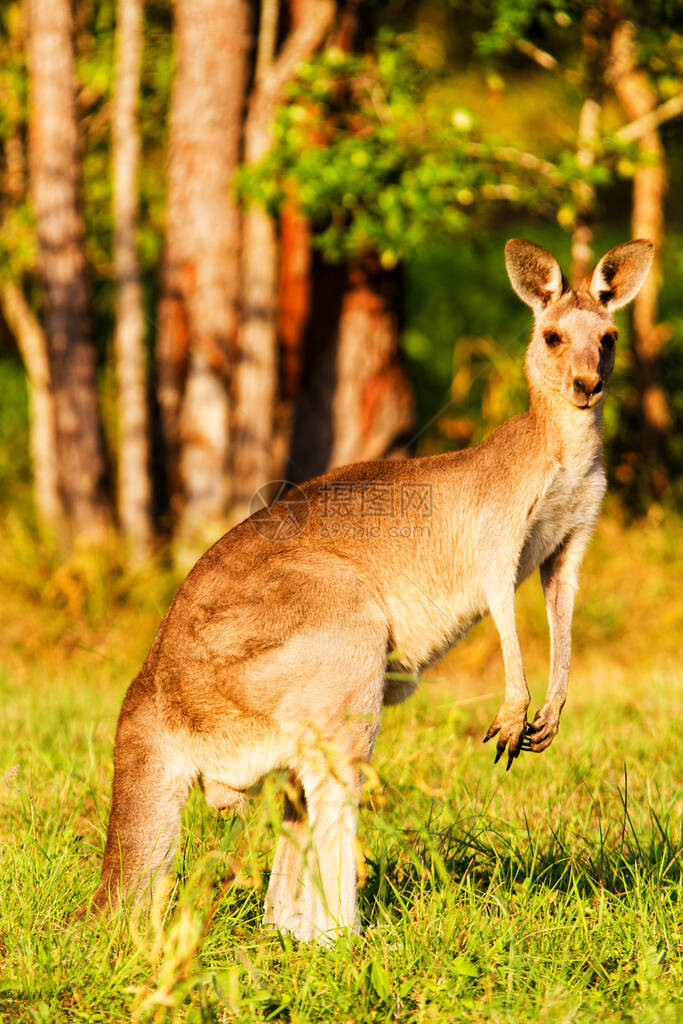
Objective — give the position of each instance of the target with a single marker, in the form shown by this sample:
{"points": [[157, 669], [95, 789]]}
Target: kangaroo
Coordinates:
{"points": [[274, 652]]}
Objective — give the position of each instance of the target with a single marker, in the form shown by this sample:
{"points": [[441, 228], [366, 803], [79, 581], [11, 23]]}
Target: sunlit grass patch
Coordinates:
{"points": [[551, 893]]}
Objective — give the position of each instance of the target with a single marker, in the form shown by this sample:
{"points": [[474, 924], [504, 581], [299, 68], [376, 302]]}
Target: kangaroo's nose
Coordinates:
{"points": [[588, 386]]}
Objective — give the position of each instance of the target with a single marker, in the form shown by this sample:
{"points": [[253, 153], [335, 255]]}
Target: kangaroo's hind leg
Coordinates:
{"points": [[332, 715], [312, 889], [283, 904], [149, 791], [329, 899]]}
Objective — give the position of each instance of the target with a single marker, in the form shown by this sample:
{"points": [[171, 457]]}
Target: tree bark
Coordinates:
{"points": [[255, 369], [293, 311], [255, 373], [356, 401], [373, 402], [198, 312], [638, 98], [32, 345], [582, 235], [596, 32], [312, 434], [293, 306], [29, 335], [55, 183], [134, 482]]}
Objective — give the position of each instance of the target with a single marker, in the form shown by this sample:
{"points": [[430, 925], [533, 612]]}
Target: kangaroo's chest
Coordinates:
{"points": [[569, 498]]}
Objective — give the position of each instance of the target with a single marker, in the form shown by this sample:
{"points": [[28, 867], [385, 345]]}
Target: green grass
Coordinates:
{"points": [[552, 893]]}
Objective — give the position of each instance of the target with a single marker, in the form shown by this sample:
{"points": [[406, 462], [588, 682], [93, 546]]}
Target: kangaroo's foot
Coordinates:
{"points": [[542, 731], [510, 725]]}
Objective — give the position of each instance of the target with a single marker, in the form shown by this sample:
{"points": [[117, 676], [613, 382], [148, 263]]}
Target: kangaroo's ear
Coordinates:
{"points": [[534, 273], [620, 273]]}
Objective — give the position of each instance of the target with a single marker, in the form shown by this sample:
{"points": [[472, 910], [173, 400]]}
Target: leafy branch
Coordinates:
{"points": [[379, 168]]}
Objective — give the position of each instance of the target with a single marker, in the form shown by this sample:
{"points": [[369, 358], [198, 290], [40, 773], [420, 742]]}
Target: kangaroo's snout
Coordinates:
{"points": [[587, 387], [588, 372]]}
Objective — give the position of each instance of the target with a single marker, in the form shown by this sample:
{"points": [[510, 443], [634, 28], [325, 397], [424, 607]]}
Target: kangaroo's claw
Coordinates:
{"points": [[510, 725], [542, 731]]}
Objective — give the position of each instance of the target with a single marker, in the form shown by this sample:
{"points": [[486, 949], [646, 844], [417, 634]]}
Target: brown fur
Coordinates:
{"points": [[273, 654]]}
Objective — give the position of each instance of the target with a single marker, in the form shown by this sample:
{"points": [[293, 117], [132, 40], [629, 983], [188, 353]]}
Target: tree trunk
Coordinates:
{"points": [[198, 314], [293, 311], [32, 345], [582, 235], [293, 307], [255, 448], [373, 402], [134, 482], [312, 435], [638, 98], [356, 400], [172, 348], [29, 334], [255, 369], [55, 181], [596, 32]]}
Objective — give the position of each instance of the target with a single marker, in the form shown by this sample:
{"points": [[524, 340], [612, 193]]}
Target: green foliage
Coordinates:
{"points": [[462, 347], [513, 20], [386, 156], [15, 467], [17, 238], [557, 25], [381, 168]]}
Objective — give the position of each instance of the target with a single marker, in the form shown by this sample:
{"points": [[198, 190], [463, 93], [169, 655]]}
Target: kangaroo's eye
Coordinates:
{"points": [[607, 342], [552, 339]]}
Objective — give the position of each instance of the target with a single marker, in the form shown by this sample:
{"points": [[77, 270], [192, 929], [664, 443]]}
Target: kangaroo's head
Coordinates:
{"points": [[571, 352]]}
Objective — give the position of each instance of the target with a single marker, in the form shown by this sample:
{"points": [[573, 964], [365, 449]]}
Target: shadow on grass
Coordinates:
{"points": [[597, 855], [489, 856]]}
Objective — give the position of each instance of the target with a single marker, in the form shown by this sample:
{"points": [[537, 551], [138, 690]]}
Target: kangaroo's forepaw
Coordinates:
{"points": [[510, 726], [542, 731]]}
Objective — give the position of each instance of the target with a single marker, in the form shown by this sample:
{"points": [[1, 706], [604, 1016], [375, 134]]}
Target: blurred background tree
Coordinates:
{"points": [[260, 240]]}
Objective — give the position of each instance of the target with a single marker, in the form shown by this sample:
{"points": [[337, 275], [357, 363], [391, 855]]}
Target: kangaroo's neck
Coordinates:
{"points": [[571, 435]]}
